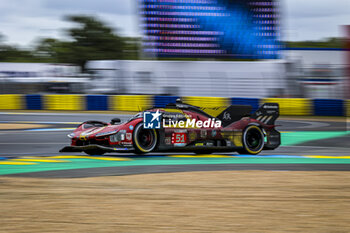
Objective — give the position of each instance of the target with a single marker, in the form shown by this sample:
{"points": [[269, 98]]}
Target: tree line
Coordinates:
{"points": [[89, 39], [331, 42]]}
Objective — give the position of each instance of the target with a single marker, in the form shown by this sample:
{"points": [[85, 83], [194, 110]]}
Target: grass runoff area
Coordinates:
{"points": [[224, 201]]}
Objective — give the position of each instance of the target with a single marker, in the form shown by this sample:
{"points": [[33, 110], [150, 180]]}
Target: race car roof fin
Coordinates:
{"points": [[234, 113]]}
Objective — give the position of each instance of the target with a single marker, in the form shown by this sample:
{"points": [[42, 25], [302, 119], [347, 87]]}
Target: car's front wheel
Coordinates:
{"points": [[253, 140], [145, 140]]}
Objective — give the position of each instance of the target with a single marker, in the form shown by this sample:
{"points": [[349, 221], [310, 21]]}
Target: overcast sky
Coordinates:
{"points": [[23, 21]]}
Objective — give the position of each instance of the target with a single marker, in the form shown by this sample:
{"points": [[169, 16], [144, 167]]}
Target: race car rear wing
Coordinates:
{"points": [[267, 113]]}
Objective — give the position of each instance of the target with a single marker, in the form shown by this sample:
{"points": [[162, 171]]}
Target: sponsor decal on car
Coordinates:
{"points": [[227, 116], [203, 133], [128, 136], [270, 106], [126, 143], [179, 139], [167, 140], [192, 136]]}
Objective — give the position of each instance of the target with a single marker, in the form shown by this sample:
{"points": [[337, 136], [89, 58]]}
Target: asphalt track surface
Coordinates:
{"points": [[311, 145]]}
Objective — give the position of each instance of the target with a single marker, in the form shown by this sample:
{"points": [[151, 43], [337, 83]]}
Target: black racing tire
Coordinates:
{"points": [[144, 140], [95, 152], [253, 140]]}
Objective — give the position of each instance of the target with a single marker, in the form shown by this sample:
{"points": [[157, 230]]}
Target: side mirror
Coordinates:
{"points": [[115, 121]]}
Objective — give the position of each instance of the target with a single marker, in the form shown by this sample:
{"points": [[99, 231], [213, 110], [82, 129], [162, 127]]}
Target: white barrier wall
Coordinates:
{"points": [[317, 57], [196, 78]]}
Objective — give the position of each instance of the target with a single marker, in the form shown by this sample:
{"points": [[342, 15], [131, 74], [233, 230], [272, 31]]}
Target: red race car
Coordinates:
{"points": [[182, 127]]}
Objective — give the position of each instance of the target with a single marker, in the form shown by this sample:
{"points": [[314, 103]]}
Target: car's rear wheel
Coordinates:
{"points": [[253, 140], [94, 152], [145, 140]]}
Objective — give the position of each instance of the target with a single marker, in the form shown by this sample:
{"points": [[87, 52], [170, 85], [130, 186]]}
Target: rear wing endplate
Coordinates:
{"points": [[267, 113]]}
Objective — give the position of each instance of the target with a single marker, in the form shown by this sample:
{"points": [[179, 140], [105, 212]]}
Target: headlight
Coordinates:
{"points": [[71, 135], [120, 136]]}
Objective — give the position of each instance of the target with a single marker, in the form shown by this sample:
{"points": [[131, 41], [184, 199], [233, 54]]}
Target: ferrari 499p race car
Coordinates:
{"points": [[182, 127]]}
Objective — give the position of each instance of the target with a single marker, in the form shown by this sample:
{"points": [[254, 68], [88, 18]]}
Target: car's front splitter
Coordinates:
{"points": [[95, 147]]}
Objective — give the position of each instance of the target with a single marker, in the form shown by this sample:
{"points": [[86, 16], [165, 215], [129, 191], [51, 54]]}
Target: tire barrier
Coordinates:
{"points": [[135, 103], [11, 102], [64, 102], [33, 102], [206, 101], [326, 107], [97, 103], [254, 102], [162, 101]]}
